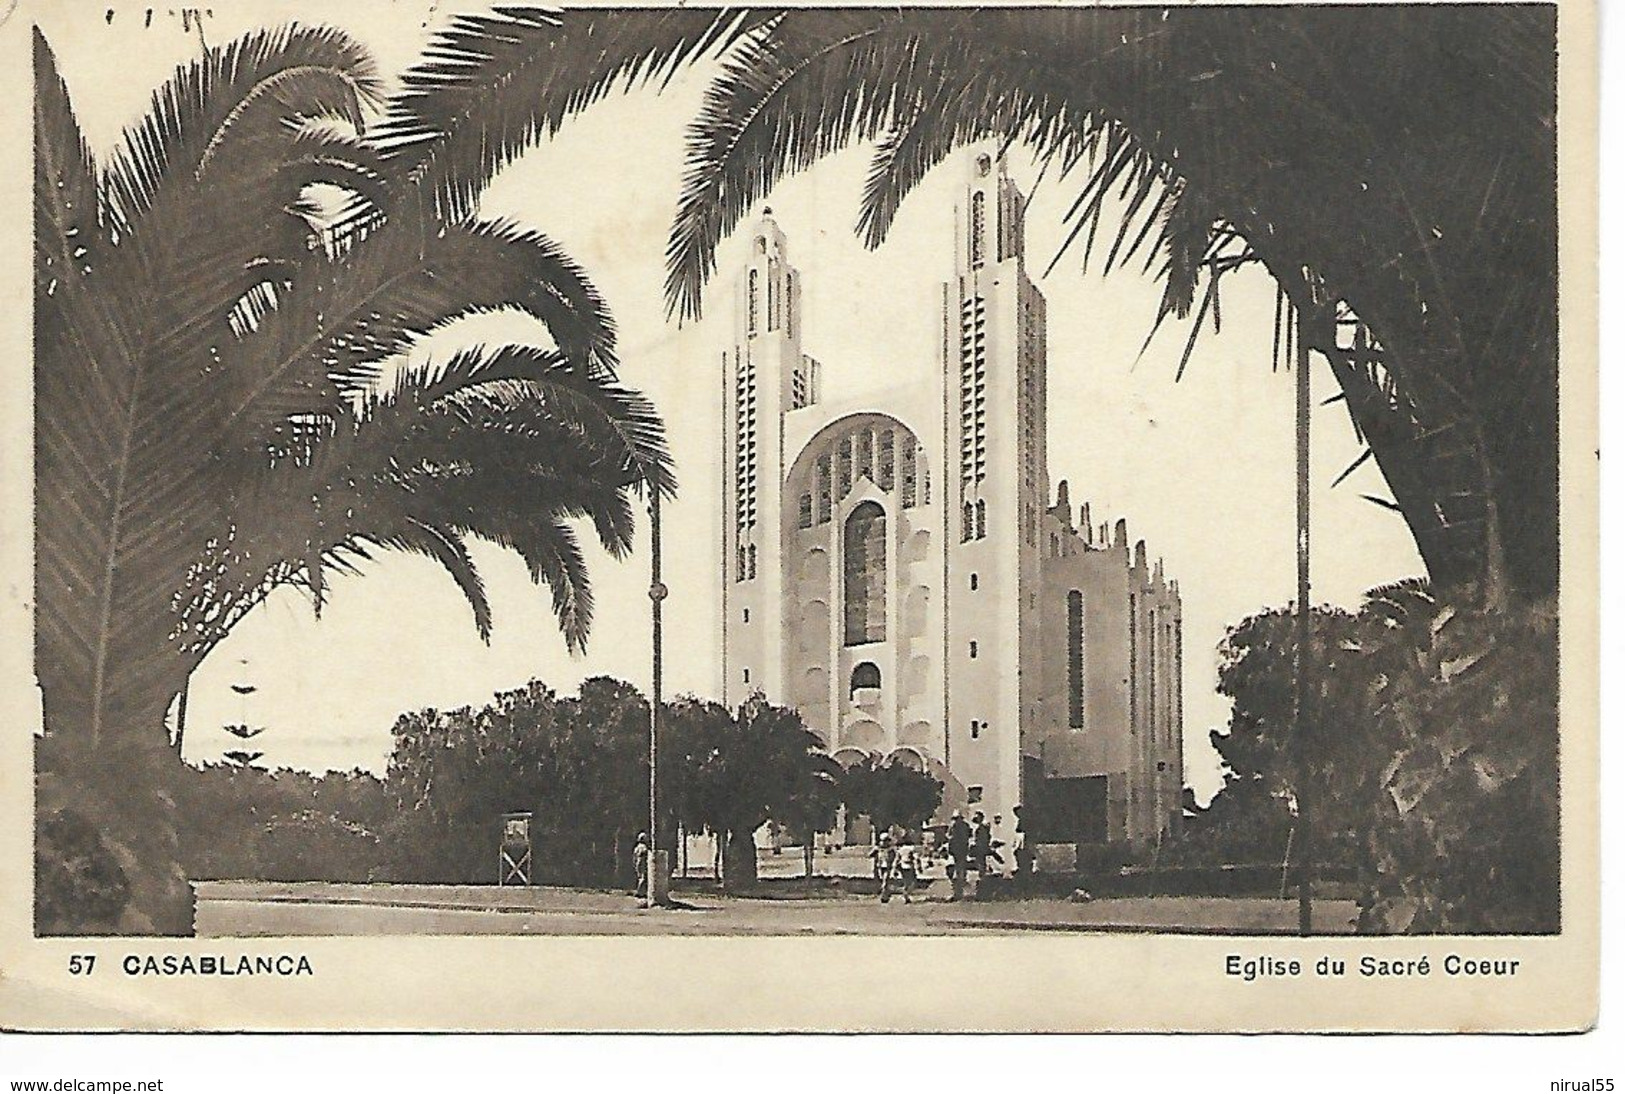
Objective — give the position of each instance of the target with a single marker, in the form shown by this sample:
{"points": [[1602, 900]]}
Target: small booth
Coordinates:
{"points": [[514, 864]]}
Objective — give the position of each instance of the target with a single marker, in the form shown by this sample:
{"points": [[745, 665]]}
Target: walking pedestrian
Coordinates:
{"points": [[958, 853]]}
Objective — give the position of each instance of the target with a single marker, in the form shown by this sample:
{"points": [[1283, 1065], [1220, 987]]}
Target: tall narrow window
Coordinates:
{"points": [[822, 475], [864, 567], [978, 226], [1151, 673], [981, 518], [1133, 664], [968, 525], [1074, 658], [751, 568], [751, 304], [804, 516]]}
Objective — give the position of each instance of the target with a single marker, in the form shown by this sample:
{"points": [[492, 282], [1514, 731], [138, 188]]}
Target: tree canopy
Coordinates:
{"points": [[1429, 745]]}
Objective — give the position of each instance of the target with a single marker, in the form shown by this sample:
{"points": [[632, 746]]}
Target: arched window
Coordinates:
{"points": [[981, 518], [865, 675], [864, 567], [1074, 658]]}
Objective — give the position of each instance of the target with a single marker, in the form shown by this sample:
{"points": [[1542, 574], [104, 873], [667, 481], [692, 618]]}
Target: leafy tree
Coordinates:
{"points": [[580, 764], [761, 762], [283, 825], [1429, 749], [890, 794], [222, 309], [810, 805]]}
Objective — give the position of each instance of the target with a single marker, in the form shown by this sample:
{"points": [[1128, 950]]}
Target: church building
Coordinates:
{"points": [[896, 567]]}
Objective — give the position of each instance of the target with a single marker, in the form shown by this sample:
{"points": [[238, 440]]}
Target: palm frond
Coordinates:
{"points": [[250, 84], [341, 328], [784, 100], [490, 86], [448, 550]]}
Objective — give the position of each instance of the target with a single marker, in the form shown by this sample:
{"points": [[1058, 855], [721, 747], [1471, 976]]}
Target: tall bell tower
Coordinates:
{"points": [[766, 376], [997, 475]]}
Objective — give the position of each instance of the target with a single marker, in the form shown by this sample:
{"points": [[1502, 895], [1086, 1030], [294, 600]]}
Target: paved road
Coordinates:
{"points": [[250, 909]]}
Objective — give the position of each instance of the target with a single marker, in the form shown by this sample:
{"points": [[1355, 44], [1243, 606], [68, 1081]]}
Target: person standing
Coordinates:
{"points": [[958, 853], [640, 859], [908, 866], [885, 853], [1022, 851], [981, 847]]}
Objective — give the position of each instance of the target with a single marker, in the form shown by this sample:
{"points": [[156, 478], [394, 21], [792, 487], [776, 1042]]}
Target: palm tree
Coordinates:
{"points": [[1394, 170], [222, 309]]}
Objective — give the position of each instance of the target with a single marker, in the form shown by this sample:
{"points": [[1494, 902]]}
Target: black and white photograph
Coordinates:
{"points": [[1091, 480]]}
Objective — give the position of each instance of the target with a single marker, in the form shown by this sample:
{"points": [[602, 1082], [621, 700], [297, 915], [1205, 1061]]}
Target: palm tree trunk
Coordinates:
{"points": [[1496, 584], [122, 791]]}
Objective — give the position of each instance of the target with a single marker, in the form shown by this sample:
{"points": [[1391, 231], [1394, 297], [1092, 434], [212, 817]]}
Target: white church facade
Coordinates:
{"points": [[896, 567]]}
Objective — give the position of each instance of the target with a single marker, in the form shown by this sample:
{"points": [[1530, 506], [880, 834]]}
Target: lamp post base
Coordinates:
{"points": [[659, 879]]}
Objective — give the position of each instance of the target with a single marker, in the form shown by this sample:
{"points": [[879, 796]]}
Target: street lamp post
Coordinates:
{"points": [[655, 886], [1300, 683]]}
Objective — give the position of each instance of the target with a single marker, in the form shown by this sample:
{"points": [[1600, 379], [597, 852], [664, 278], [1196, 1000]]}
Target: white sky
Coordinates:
{"points": [[1202, 469]]}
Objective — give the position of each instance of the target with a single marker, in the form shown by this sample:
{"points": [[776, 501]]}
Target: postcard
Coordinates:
{"points": [[940, 517]]}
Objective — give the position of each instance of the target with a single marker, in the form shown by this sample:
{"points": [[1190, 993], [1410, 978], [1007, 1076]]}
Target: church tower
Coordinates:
{"points": [[892, 567], [995, 466], [766, 376]]}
